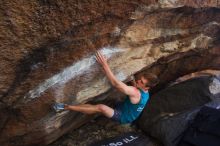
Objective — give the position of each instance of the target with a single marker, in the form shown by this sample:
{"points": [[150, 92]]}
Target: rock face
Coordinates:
{"points": [[170, 110], [47, 55]]}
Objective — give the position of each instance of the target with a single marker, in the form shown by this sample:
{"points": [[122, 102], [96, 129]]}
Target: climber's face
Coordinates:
{"points": [[142, 83]]}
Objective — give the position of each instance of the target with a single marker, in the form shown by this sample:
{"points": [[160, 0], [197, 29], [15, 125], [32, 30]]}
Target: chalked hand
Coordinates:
{"points": [[101, 59]]}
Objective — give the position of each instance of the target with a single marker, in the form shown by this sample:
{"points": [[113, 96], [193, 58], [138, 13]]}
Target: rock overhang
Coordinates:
{"points": [[57, 64]]}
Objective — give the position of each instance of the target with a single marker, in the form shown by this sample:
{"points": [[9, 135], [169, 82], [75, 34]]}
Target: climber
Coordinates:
{"points": [[133, 105]]}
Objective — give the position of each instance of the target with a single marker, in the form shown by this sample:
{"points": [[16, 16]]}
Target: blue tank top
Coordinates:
{"points": [[131, 111]]}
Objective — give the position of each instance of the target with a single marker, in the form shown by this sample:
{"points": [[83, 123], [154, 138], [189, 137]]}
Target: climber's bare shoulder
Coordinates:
{"points": [[133, 93]]}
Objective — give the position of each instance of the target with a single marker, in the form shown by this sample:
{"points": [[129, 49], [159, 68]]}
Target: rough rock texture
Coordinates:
{"points": [[47, 55]]}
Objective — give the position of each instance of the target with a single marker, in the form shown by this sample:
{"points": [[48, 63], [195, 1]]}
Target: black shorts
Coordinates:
{"points": [[117, 113]]}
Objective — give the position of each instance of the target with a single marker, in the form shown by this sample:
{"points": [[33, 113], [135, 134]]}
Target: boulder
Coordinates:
{"points": [[126, 139], [170, 111]]}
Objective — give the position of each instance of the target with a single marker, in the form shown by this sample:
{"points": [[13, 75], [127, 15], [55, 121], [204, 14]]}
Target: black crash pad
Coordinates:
{"points": [[126, 139]]}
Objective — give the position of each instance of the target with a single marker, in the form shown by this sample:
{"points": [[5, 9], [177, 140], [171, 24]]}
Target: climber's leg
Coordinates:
{"points": [[92, 109]]}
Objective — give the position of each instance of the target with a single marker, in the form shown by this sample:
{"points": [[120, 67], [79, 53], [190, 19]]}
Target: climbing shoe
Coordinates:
{"points": [[58, 107]]}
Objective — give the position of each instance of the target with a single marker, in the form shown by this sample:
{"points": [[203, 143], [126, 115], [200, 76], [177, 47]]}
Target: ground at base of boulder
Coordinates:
{"points": [[95, 130]]}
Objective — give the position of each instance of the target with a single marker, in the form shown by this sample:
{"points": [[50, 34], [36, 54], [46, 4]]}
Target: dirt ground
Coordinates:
{"points": [[98, 129]]}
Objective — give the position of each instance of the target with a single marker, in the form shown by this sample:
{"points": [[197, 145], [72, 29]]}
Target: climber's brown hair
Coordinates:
{"points": [[152, 79]]}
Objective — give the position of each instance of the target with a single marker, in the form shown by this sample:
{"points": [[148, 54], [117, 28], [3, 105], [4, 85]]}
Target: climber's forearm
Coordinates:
{"points": [[114, 81], [128, 90], [131, 91], [103, 62]]}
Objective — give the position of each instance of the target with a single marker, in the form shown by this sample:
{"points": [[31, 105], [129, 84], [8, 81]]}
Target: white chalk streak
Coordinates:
{"points": [[70, 72], [214, 87]]}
